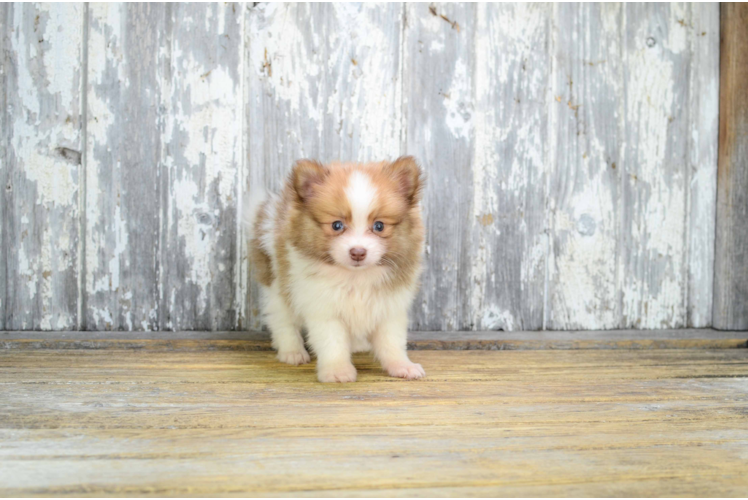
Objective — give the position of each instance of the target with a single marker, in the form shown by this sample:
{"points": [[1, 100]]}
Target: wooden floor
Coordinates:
{"points": [[202, 421]]}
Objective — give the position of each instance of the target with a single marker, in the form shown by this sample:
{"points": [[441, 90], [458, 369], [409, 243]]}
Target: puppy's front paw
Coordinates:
{"points": [[337, 373], [294, 357], [406, 370]]}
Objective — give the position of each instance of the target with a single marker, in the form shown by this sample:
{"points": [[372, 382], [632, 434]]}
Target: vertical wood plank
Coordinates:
{"points": [[703, 109], [438, 84], [504, 286], [322, 81], [42, 169], [5, 31], [653, 272], [202, 158], [123, 200], [584, 194], [731, 258]]}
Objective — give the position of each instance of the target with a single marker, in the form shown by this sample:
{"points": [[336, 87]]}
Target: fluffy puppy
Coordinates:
{"points": [[338, 253]]}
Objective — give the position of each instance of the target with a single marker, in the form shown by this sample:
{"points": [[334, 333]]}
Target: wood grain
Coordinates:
{"points": [[438, 82], [124, 177], [731, 265], [703, 110], [509, 244], [654, 176], [5, 23], [42, 164], [202, 158], [585, 186], [119, 422]]}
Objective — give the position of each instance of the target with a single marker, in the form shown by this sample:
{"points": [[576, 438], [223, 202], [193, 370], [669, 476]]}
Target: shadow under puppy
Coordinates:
{"points": [[338, 252]]}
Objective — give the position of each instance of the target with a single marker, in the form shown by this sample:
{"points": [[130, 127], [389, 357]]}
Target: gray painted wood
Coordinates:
{"points": [[125, 102], [506, 257], [585, 182], [5, 31], [42, 164], [654, 161], [438, 80], [599, 269], [201, 159], [570, 152], [731, 266], [703, 109], [322, 82]]}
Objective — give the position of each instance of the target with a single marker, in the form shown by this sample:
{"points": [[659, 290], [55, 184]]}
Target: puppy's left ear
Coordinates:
{"points": [[407, 174]]}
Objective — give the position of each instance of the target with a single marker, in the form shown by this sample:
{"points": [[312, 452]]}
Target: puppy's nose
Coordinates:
{"points": [[358, 254]]}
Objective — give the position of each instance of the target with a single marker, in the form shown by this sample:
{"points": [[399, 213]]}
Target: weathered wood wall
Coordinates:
{"points": [[731, 260], [571, 153]]}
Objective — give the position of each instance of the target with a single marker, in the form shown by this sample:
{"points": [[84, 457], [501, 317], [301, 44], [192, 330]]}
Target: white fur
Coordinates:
{"points": [[254, 203], [361, 194], [285, 327], [347, 311]]}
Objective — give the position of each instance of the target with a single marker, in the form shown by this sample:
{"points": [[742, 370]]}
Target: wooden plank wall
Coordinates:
{"points": [[571, 155], [42, 164], [731, 265]]}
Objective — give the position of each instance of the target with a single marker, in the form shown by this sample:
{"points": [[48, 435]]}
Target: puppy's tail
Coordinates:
{"points": [[254, 202]]}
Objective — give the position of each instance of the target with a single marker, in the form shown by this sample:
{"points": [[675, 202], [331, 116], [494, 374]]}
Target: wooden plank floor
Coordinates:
{"points": [[197, 422]]}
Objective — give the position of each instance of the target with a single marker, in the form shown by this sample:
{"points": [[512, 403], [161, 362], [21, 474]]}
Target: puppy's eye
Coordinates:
{"points": [[379, 226], [337, 225]]}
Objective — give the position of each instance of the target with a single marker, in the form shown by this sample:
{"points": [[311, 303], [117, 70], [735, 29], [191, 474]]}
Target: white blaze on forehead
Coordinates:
{"points": [[361, 193]]}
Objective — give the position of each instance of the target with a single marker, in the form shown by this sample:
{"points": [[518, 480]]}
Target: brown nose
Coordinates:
{"points": [[358, 254]]}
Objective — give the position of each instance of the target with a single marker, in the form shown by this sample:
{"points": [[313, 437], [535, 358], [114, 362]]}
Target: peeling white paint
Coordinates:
{"points": [[679, 25], [276, 49], [704, 123], [327, 81], [509, 165], [33, 140], [654, 298], [492, 318], [485, 174], [45, 49], [62, 66], [197, 237], [203, 134], [458, 102], [338, 81], [107, 229]]}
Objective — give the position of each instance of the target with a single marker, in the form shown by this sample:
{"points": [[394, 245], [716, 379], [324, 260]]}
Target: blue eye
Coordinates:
{"points": [[379, 226], [337, 226]]}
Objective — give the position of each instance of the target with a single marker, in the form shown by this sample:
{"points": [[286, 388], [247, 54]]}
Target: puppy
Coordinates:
{"points": [[338, 253]]}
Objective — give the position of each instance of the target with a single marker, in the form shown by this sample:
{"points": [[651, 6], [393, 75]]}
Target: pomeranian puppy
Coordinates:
{"points": [[338, 253]]}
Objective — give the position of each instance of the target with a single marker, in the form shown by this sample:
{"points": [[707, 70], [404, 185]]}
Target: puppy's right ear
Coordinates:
{"points": [[306, 175]]}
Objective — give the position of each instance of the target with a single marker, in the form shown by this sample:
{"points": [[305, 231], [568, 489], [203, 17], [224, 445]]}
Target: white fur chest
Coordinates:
{"points": [[360, 300]]}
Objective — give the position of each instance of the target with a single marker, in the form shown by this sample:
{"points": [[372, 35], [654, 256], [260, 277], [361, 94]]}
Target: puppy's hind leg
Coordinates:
{"points": [[285, 333]]}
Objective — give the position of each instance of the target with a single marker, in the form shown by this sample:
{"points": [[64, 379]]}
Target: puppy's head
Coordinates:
{"points": [[358, 215]]}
